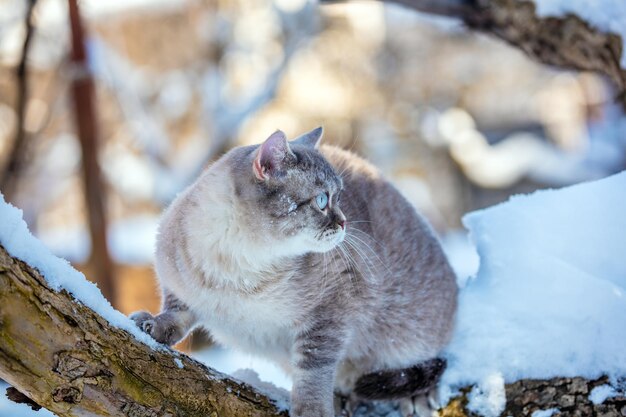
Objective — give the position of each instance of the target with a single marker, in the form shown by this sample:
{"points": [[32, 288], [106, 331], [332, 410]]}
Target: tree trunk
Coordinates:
{"points": [[71, 361], [85, 119]]}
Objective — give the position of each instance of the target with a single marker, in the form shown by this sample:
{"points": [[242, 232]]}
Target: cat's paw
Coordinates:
{"points": [[163, 328], [423, 405]]}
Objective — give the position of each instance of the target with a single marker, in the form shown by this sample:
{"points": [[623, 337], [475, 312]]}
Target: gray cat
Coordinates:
{"points": [[306, 255]]}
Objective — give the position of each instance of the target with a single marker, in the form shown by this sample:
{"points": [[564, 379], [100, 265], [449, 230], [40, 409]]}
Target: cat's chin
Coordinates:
{"points": [[329, 244]]}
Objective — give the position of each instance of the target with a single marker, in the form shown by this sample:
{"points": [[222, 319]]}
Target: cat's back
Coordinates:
{"points": [[398, 250]]}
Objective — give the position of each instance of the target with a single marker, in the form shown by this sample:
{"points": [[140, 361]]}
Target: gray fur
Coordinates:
{"points": [[246, 253]]}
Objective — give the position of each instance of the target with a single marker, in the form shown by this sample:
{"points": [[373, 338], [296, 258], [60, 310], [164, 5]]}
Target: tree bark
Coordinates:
{"points": [[569, 395], [70, 360], [567, 42]]}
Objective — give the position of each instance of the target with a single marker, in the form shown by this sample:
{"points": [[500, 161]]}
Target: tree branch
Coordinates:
{"points": [[71, 361], [68, 359], [568, 42]]}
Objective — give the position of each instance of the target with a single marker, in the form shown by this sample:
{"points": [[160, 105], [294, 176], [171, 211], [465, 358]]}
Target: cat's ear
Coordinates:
{"points": [[272, 156], [311, 139]]}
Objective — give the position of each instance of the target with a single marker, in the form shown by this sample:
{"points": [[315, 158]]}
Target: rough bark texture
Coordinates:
{"points": [[569, 395], [568, 42], [68, 359]]}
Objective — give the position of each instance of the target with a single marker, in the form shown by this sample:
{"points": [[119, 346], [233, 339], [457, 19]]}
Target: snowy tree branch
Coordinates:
{"points": [[568, 41], [70, 360]]}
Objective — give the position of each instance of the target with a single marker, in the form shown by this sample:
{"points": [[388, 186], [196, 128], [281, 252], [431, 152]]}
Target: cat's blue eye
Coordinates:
{"points": [[321, 200]]}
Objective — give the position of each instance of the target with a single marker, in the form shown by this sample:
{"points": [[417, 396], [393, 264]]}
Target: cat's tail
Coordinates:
{"points": [[394, 384]]}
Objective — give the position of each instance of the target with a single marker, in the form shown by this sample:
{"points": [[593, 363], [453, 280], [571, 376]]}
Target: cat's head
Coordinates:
{"points": [[289, 193]]}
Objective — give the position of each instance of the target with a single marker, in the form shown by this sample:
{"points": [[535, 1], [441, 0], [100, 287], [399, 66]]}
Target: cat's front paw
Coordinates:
{"points": [[311, 409], [163, 328]]}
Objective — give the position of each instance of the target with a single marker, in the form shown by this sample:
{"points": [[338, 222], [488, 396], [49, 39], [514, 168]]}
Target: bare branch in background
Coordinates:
{"points": [[568, 41], [227, 120], [17, 155], [87, 128]]}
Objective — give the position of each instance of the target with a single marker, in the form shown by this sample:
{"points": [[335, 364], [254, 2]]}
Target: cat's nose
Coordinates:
{"points": [[339, 218]]}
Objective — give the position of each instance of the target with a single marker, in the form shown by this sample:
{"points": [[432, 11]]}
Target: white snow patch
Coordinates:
{"points": [[179, 363], [488, 398], [600, 394], [461, 254], [549, 293], [280, 396], [606, 15], [228, 361], [545, 413], [10, 409], [59, 274]]}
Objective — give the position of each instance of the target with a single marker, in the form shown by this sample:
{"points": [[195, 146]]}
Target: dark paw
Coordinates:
{"points": [[163, 328]]}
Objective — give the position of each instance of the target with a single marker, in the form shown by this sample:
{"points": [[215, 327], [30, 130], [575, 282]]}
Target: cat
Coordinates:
{"points": [[303, 253]]}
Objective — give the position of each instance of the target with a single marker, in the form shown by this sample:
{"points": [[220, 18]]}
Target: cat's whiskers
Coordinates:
{"points": [[324, 278], [368, 247], [349, 264], [343, 170], [353, 244]]}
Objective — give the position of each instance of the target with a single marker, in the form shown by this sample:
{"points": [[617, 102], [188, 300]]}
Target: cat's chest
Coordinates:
{"points": [[257, 321]]}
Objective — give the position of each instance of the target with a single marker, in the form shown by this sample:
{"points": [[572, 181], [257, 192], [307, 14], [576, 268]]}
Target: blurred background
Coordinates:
{"points": [[159, 88]]}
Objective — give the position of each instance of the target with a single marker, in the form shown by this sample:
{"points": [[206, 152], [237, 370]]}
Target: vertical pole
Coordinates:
{"points": [[82, 93]]}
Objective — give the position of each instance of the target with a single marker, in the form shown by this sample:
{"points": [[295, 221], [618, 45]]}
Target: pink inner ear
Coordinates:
{"points": [[270, 155], [257, 168]]}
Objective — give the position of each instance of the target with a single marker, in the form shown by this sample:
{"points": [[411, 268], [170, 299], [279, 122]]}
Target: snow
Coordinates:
{"points": [[488, 398], [545, 413], [461, 254], [10, 409], [59, 274], [279, 395], [229, 361], [606, 15], [548, 298], [600, 394], [179, 363]]}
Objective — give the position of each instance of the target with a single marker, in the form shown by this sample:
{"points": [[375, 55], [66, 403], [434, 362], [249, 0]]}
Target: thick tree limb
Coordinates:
{"points": [[568, 42], [71, 361]]}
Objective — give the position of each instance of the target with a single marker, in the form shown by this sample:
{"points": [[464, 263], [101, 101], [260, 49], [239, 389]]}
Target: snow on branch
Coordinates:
{"points": [[68, 350]]}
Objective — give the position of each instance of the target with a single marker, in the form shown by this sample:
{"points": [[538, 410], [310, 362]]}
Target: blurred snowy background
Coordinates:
{"points": [[457, 120]]}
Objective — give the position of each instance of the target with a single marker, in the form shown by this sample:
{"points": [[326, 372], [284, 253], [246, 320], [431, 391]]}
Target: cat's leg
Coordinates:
{"points": [[316, 353], [171, 325]]}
